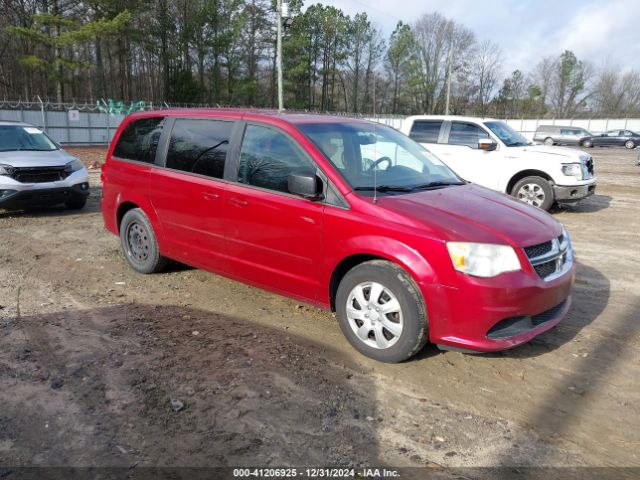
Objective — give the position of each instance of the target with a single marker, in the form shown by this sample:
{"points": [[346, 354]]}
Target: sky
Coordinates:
{"points": [[604, 32]]}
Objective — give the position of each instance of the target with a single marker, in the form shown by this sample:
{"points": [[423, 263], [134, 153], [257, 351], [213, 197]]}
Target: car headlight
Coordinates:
{"points": [[74, 166], [483, 259], [6, 170], [572, 170]]}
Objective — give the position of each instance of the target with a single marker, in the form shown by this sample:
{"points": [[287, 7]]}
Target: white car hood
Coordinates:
{"points": [[30, 158], [548, 150]]}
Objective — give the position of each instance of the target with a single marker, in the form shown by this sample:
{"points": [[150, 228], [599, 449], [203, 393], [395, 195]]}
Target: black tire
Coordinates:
{"points": [[548, 141], [544, 193], [414, 331], [630, 144], [76, 203], [587, 144], [139, 244]]}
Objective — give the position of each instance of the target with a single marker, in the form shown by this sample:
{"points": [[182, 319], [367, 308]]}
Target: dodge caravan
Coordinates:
{"points": [[343, 214]]}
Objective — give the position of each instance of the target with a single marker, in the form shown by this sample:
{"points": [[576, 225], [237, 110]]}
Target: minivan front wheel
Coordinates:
{"points": [[535, 191], [139, 244], [381, 312]]}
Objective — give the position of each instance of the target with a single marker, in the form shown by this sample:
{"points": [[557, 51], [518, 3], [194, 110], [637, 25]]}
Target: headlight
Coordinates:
{"points": [[6, 170], [572, 170], [483, 259], [74, 166]]}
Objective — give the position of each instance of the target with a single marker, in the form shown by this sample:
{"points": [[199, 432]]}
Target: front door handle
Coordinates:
{"points": [[210, 195], [238, 202]]}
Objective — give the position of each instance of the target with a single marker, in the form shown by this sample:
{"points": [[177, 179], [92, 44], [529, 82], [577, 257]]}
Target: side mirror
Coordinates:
{"points": [[306, 185], [487, 145]]}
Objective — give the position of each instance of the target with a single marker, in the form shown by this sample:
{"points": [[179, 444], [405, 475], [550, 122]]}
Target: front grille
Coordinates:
{"points": [[590, 167], [537, 250], [549, 259], [512, 326], [39, 174], [545, 269]]}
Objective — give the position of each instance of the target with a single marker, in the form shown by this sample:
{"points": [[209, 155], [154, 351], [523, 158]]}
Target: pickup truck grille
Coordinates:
{"points": [[550, 259], [39, 174]]}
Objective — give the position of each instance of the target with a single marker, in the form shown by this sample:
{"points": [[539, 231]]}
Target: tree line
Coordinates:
{"points": [[222, 52]]}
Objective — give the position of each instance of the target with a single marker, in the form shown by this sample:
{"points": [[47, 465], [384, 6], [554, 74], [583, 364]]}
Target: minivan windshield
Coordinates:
{"points": [[24, 137], [508, 135], [370, 156]]}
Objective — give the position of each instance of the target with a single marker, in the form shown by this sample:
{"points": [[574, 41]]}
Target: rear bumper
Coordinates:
{"points": [[573, 193], [38, 197], [486, 316]]}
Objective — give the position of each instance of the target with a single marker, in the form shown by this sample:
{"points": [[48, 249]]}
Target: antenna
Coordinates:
{"points": [[375, 167]]}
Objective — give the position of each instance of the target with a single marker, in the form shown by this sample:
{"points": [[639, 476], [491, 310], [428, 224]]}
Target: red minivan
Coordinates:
{"points": [[344, 214]]}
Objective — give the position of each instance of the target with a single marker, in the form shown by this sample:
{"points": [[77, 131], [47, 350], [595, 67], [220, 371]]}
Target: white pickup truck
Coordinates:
{"points": [[492, 154]]}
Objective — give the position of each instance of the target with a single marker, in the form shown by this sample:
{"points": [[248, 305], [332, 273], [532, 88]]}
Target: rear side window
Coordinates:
{"points": [[139, 140], [466, 134], [267, 157], [425, 131], [199, 146]]}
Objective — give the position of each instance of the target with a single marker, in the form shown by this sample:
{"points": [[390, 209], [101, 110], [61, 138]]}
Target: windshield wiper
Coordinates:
{"points": [[433, 185], [385, 188], [517, 144]]}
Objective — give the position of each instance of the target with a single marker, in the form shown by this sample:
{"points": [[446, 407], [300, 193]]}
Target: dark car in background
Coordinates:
{"points": [[559, 135], [613, 138]]}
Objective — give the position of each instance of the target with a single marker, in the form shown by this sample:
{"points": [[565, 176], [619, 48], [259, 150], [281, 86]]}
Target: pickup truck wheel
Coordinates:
{"points": [[630, 144], [535, 191], [381, 312], [139, 244], [548, 141]]}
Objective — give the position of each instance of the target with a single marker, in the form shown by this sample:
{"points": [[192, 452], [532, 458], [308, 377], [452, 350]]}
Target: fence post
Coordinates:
{"points": [[44, 118]]}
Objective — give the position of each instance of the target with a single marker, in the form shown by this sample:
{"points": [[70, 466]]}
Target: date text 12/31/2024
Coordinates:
{"points": [[282, 473]]}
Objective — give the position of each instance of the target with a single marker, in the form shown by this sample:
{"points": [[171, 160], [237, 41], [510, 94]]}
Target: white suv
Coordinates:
{"points": [[492, 154], [35, 171]]}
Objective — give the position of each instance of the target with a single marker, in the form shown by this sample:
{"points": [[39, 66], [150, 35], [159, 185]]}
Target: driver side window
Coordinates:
{"points": [[267, 157], [466, 134]]}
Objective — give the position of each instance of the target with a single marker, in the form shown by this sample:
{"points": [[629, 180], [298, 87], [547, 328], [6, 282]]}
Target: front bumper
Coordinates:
{"points": [[485, 315], [39, 197], [573, 193]]}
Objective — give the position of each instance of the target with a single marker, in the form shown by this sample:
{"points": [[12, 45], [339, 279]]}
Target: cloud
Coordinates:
{"points": [[526, 30]]}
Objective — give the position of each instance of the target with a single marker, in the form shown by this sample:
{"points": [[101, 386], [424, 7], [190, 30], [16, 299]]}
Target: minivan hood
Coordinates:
{"points": [[30, 158], [474, 214], [549, 150]]}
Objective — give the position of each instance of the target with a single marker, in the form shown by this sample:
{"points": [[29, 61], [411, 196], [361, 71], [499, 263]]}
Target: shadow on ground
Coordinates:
{"points": [[137, 385]]}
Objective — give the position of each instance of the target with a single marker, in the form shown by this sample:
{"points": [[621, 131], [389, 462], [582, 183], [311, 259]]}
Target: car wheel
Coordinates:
{"points": [[587, 144], [535, 191], [76, 204], [381, 311], [548, 141], [630, 144], [139, 244]]}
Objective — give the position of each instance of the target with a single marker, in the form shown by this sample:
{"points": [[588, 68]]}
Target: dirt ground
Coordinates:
{"points": [[93, 356]]}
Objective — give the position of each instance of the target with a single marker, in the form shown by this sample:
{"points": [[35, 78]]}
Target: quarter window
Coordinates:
{"points": [[267, 157], [139, 140], [425, 131], [466, 134], [199, 146]]}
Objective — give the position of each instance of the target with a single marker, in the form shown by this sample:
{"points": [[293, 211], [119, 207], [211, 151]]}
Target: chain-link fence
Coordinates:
{"points": [[95, 123]]}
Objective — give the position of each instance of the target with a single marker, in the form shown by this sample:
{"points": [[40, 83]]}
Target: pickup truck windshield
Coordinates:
{"points": [[369, 155], [508, 135], [21, 137]]}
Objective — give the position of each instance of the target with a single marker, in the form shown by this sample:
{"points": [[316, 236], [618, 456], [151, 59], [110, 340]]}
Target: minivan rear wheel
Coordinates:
{"points": [[381, 311], [548, 141], [139, 244]]}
